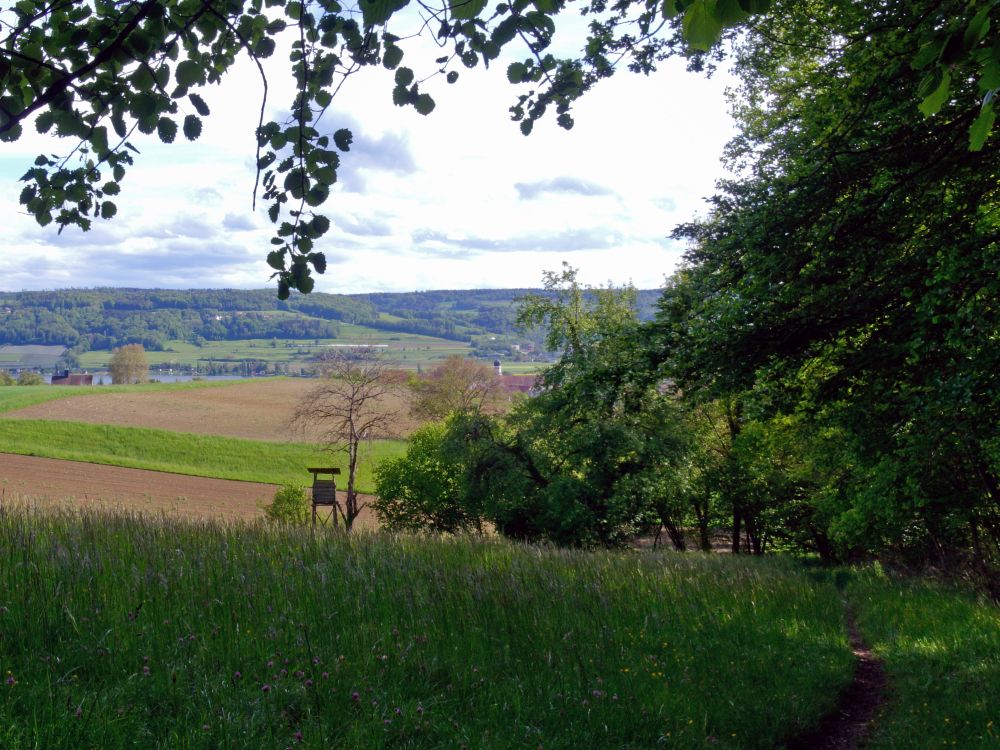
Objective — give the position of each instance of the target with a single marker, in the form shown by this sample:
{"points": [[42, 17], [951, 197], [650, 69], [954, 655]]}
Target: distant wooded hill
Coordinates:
{"points": [[106, 318]]}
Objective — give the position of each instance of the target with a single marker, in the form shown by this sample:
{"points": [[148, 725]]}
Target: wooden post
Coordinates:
{"points": [[324, 492]]}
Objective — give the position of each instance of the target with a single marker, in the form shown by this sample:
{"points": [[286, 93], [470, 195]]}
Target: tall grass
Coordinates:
{"points": [[122, 632], [942, 654], [181, 453]]}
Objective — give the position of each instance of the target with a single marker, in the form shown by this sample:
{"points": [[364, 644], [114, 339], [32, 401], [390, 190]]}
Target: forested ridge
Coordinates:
{"points": [[111, 317]]}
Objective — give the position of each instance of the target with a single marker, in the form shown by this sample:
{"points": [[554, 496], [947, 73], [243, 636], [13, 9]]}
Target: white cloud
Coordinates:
{"points": [[457, 199]]}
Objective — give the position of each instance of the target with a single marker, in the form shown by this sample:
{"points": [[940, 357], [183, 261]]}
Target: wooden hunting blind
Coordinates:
{"points": [[324, 492]]}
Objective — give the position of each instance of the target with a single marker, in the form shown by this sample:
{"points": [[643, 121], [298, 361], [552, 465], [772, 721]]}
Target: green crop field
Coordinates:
{"points": [[121, 632], [178, 452]]}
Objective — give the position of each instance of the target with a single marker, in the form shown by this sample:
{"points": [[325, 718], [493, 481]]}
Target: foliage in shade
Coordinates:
{"points": [[123, 631], [845, 282]]}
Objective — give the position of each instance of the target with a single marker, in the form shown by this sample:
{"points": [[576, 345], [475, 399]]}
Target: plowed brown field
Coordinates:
{"points": [[255, 409], [51, 483]]}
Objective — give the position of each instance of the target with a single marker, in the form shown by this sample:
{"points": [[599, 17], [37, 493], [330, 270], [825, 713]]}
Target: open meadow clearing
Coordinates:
{"points": [[126, 632]]}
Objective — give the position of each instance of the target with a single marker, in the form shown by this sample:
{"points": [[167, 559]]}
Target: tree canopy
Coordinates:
{"points": [[94, 73], [849, 275]]}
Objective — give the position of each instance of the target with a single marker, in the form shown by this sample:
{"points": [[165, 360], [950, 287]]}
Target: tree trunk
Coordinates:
{"points": [[737, 530], [675, 534]]}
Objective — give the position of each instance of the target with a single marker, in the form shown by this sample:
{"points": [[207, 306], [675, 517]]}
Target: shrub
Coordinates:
{"points": [[290, 506], [424, 490], [5, 378], [27, 377]]}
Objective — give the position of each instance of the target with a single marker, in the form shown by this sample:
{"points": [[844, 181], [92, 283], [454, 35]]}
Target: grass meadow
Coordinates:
{"points": [[183, 453], [124, 632], [941, 650]]}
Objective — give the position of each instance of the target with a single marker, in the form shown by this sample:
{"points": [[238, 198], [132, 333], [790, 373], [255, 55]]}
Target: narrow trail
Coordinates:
{"points": [[848, 725]]}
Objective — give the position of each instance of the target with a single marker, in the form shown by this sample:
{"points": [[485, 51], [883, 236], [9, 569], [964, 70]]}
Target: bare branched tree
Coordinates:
{"points": [[352, 404]]}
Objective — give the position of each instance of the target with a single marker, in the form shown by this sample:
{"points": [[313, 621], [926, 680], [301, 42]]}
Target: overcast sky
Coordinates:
{"points": [[459, 199]]}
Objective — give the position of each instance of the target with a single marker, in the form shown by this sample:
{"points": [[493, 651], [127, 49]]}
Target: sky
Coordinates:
{"points": [[458, 199]]}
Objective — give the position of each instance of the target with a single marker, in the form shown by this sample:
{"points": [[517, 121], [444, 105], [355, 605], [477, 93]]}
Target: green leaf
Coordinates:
{"points": [[166, 129], [977, 28], [404, 77], [272, 213], [670, 8], [452, 76], [283, 289], [989, 78], [317, 196], [118, 172], [319, 226], [319, 262], [45, 121], [424, 104], [118, 123], [296, 183], [701, 28], [108, 209], [99, 140], [927, 54], [264, 48], [377, 12], [343, 138], [276, 259], [980, 130], [199, 105], [189, 73], [392, 57], [936, 99], [192, 127], [729, 12], [324, 98], [516, 72], [466, 10], [527, 126], [111, 188]]}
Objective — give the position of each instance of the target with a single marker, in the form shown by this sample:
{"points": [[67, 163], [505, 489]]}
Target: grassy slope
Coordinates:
{"points": [[121, 633], [178, 452], [22, 396], [942, 655]]}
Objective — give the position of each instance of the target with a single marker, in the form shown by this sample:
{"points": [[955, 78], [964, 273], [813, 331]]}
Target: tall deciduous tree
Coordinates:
{"points": [[128, 364], [353, 403], [851, 272], [456, 385]]}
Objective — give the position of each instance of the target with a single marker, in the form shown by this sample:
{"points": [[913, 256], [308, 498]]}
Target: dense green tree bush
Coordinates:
{"points": [[290, 506]]}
